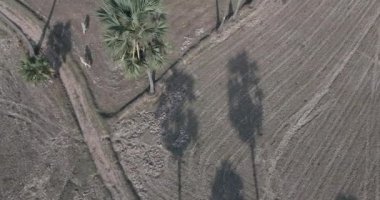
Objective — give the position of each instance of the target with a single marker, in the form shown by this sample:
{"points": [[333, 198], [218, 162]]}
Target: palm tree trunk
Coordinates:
{"points": [[217, 14], [179, 166], [151, 82], [237, 9], [230, 12], [46, 26]]}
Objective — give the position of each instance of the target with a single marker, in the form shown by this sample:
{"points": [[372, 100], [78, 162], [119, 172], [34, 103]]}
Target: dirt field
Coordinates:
{"points": [[282, 104], [188, 22], [286, 107], [42, 153]]}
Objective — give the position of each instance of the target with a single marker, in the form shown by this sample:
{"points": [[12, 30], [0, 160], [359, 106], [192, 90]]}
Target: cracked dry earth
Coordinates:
{"points": [[42, 153], [286, 107]]}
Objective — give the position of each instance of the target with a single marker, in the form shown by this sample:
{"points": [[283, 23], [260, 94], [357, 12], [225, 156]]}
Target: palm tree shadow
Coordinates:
{"points": [[217, 13], [223, 14], [345, 197], [247, 2], [227, 184], [59, 43], [88, 55], [245, 110], [87, 21], [46, 26], [179, 123]]}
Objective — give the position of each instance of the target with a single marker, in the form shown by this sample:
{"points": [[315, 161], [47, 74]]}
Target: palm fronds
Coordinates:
{"points": [[134, 32], [35, 69]]}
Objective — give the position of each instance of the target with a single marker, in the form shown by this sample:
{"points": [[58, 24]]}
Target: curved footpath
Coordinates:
{"points": [[93, 128], [95, 134]]}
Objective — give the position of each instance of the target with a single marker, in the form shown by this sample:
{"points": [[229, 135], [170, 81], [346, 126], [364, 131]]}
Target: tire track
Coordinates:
{"points": [[308, 168], [339, 124], [305, 111], [237, 45], [300, 141], [319, 126], [350, 143], [263, 80], [372, 124], [337, 18], [217, 55], [287, 99], [270, 118], [32, 112], [213, 103], [213, 145]]}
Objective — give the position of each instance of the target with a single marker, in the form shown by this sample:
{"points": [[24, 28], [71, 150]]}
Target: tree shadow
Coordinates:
{"points": [[217, 13], [39, 44], [88, 55], [245, 109], [87, 21], [227, 184], [59, 43], [247, 2], [226, 13], [178, 121], [345, 197], [230, 10]]}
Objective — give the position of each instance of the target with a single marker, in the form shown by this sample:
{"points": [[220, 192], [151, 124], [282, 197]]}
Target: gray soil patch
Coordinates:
{"points": [[42, 153], [189, 21], [284, 106]]}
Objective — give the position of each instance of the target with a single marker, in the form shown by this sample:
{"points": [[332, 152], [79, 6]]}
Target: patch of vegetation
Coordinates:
{"points": [[36, 69], [134, 33]]}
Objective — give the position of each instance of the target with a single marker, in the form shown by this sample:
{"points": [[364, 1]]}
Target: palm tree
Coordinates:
{"points": [[237, 8], [239, 4], [35, 69], [134, 33]]}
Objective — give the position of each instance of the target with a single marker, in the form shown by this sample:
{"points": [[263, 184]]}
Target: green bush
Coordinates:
{"points": [[36, 69]]}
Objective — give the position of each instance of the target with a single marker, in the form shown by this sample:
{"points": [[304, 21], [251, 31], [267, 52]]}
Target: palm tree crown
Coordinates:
{"points": [[36, 69], [134, 33]]}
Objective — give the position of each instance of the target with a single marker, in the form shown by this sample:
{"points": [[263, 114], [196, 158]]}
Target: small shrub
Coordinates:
{"points": [[35, 69]]}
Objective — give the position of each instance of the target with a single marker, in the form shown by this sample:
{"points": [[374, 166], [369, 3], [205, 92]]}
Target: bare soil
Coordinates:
{"points": [[189, 21], [283, 104], [42, 153]]}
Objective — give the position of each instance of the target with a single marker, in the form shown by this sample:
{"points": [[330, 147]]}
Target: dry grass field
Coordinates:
{"points": [[188, 21], [283, 103], [42, 153], [286, 107]]}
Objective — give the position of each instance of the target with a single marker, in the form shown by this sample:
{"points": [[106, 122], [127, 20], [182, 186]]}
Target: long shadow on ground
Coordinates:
{"points": [[223, 14], [178, 121], [39, 44], [59, 43], [227, 184], [245, 104]]}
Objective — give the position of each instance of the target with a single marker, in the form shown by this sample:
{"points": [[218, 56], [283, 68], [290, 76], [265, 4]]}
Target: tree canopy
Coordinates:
{"points": [[134, 33]]}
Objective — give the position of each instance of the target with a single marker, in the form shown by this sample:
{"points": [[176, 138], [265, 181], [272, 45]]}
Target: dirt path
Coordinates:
{"points": [[6, 15], [42, 151], [282, 105], [188, 21], [95, 133]]}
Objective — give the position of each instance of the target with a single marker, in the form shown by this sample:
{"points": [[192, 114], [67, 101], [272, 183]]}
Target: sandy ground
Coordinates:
{"points": [[188, 22], [282, 104], [42, 153], [287, 106]]}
